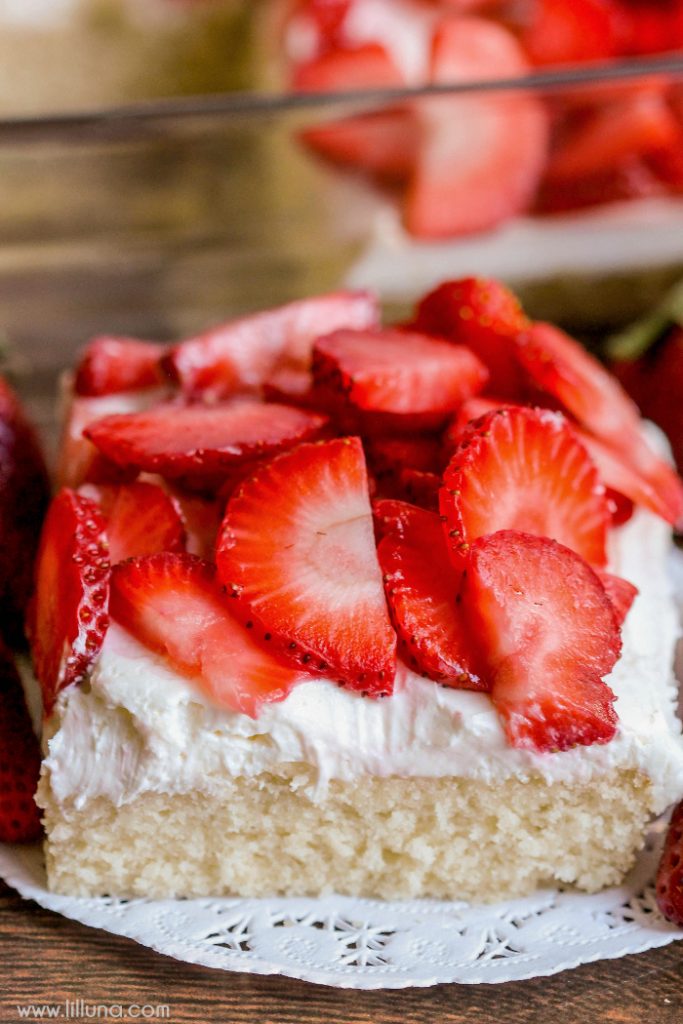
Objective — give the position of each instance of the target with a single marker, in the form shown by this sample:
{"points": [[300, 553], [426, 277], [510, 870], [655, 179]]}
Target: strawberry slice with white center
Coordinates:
{"points": [[382, 143], [396, 380], [202, 441], [481, 157], [548, 635], [297, 553], [68, 617], [621, 593], [173, 604], [524, 469], [422, 589], [112, 364], [241, 354], [563, 368], [141, 519]]}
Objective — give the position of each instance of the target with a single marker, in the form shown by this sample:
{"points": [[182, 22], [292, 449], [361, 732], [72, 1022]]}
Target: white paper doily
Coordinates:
{"points": [[369, 944]]}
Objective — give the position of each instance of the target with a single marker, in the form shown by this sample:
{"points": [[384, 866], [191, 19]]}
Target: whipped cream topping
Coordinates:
{"points": [[140, 727]]}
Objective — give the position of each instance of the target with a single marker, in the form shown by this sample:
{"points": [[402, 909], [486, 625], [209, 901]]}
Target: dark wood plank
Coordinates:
{"points": [[47, 959]]}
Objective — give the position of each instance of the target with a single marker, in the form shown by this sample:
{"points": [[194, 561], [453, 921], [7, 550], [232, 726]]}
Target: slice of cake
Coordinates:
{"points": [[427, 650]]}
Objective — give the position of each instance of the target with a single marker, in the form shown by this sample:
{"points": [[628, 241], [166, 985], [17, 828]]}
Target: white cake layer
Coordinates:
{"points": [[141, 728]]}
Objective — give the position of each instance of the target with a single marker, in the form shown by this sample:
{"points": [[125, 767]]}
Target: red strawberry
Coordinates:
{"points": [[598, 140], [562, 367], [621, 593], [391, 516], [485, 316], [68, 617], [19, 760], [24, 496], [523, 469], [620, 476], [382, 143], [112, 364], [669, 885], [630, 178], [481, 157], [78, 460], [392, 380], [367, 66], [202, 519], [621, 507], [421, 488], [141, 519], [548, 635], [173, 604], [290, 386], [389, 456], [573, 31], [243, 353], [423, 594], [201, 442], [297, 553]]}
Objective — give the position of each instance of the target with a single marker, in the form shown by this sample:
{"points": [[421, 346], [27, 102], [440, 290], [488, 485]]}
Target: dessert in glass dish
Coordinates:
{"points": [[325, 605]]}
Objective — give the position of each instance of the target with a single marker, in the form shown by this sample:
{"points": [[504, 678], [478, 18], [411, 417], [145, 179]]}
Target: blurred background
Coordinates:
{"points": [[166, 164]]}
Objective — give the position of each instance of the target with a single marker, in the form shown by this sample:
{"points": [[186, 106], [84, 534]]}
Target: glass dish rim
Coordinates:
{"points": [[123, 119]]}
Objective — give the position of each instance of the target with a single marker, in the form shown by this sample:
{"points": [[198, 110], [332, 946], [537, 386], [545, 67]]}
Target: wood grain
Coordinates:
{"points": [[47, 959]]}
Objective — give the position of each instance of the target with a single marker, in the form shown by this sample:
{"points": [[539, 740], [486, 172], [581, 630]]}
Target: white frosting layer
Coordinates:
{"points": [[140, 727]]}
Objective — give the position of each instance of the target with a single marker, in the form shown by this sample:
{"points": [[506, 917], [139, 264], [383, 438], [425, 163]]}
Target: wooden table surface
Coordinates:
{"points": [[47, 959]]}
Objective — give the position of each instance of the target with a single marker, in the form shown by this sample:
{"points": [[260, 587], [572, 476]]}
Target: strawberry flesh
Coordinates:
{"points": [[548, 635], [621, 593], [19, 760], [523, 469], [112, 364], [173, 604], [69, 617], [368, 66], [669, 883], [297, 554], [243, 353], [141, 519], [201, 442], [395, 381], [422, 590]]}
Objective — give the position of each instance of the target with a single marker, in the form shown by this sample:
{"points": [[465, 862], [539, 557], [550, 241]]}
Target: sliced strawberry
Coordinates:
{"points": [[472, 409], [389, 456], [382, 143], [297, 553], [173, 604], [68, 617], [652, 27], [112, 364], [201, 441], [524, 469], [141, 519], [611, 132], [480, 157], [78, 460], [420, 488], [621, 593], [620, 506], [562, 367], [663, 496], [423, 594], [19, 759], [391, 516], [396, 380], [24, 496], [548, 635], [290, 386], [484, 315], [201, 518], [669, 884], [573, 31], [631, 178], [368, 66], [243, 353]]}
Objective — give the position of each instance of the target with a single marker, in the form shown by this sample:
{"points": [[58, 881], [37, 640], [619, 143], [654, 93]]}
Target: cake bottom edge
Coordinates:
{"points": [[388, 838]]}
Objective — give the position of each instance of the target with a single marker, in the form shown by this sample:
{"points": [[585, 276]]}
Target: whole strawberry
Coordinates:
{"points": [[19, 759], [670, 870], [24, 493]]}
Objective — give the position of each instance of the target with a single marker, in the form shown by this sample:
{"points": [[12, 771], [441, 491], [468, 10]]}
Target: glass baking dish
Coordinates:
{"points": [[162, 217]]}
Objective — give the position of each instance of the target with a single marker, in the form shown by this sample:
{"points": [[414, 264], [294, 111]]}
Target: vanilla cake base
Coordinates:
{"points": [[148, 789]]}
